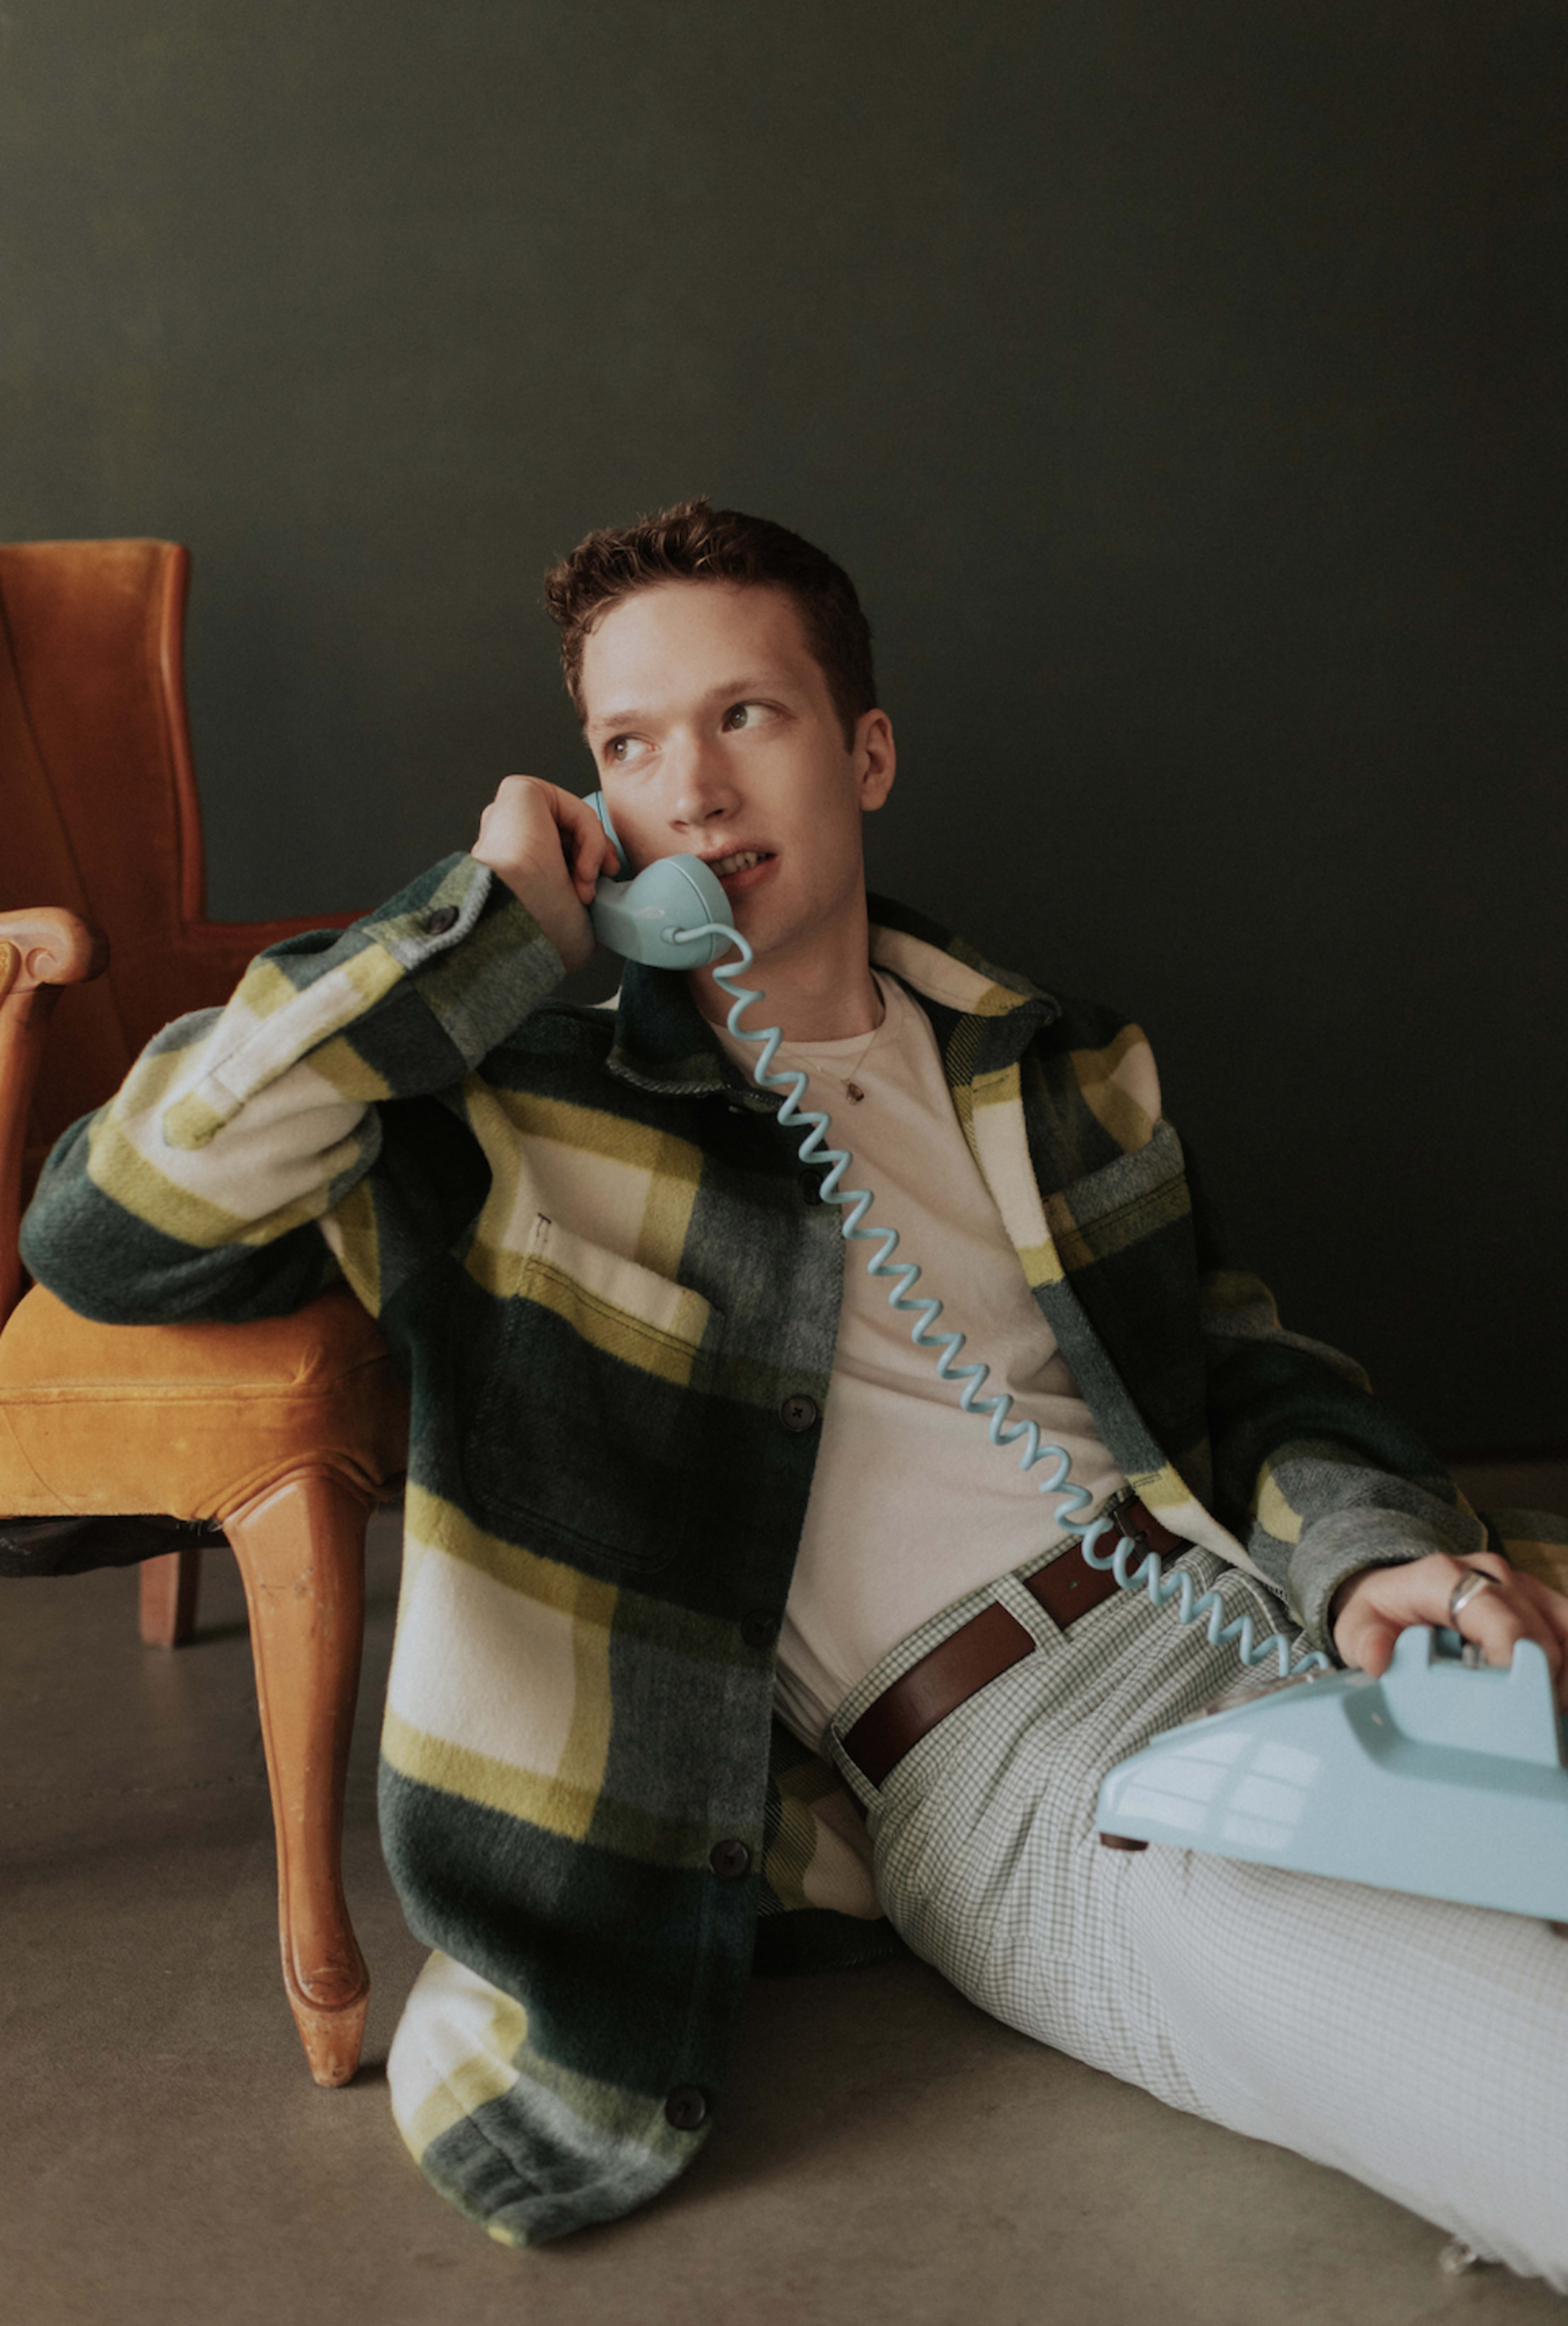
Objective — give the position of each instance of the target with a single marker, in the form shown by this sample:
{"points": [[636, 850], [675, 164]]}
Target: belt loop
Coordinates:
{"points": [[1012, 1592]]}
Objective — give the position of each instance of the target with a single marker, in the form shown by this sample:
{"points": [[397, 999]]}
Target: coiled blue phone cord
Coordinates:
{"points": [[855, 1202]]}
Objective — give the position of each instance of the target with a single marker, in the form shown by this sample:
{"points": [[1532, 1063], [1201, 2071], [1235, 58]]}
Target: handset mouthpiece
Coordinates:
{"points": [[640, 918]]}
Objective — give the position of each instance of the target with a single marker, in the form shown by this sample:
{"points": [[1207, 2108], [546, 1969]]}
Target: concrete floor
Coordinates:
{"points": [[886, 2153]]}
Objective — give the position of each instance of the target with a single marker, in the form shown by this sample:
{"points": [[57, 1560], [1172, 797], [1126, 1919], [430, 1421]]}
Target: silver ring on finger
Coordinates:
{"points": [[1469, 1586]]}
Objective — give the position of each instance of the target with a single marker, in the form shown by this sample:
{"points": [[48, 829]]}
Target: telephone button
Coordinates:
{"points": [[799, 1411], [438, 923], [686, 2108], [759, 1629], [729, 1860]]}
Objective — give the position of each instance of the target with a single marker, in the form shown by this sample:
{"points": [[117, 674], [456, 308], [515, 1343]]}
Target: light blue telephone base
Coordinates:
{"points": [[1436, 1779]]}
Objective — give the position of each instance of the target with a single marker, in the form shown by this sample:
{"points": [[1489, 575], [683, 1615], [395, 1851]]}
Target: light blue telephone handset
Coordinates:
{"points": [[639, 918], [1439, 1779]]}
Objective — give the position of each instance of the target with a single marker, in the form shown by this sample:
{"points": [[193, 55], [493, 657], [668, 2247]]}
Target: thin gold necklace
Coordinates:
{"points": [[837, 1072]]}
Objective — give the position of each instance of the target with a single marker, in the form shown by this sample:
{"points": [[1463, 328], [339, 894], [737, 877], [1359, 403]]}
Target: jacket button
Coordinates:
{"points": [[686, 2108], [729, 1860], [759, 1629], [438, 923], [798, 1412]]}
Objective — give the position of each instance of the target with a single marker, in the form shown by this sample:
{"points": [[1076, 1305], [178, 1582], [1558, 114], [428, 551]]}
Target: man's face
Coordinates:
{"points": [[714, 735]]}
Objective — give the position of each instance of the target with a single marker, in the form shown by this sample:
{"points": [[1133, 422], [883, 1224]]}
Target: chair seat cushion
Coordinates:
{"points": [[190, 1420]]}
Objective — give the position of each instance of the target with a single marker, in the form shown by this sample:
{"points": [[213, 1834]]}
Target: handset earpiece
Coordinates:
{"points": [[675, 892], [600, 806]]}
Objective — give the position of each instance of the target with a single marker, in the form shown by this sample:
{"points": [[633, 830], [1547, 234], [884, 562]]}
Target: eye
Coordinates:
{"points": [[744, 714], [621, 751]]}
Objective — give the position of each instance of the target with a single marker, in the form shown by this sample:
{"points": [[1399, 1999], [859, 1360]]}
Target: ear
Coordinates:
{"points": [[875, 759]]}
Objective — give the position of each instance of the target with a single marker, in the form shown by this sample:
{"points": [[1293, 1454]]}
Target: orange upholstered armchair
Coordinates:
{"points": [[115, 1439]]}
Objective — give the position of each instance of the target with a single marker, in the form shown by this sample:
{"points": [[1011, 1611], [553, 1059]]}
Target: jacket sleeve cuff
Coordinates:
{"points": [[476, 958], [1346, 1542], [421, 990]]}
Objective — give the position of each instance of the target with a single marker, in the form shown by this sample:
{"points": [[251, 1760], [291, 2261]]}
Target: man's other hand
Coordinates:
{"points": [[550, 850], [1371, 1609]]}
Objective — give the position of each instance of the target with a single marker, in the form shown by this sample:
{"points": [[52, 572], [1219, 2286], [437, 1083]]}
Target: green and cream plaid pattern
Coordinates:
{"points": [[613, 1283]]}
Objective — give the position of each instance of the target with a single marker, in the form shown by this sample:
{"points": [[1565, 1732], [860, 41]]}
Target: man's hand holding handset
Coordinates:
{"points": [[551, 851]]}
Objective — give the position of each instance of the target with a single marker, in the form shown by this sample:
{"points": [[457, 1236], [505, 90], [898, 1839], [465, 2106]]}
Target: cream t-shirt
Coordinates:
{"points": [[911, 1505]]}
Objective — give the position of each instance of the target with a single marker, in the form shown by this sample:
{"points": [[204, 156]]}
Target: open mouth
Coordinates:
{"points": [[743, 860]]}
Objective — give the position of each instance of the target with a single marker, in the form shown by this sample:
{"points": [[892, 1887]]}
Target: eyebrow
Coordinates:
{"points": [[729, 690]]}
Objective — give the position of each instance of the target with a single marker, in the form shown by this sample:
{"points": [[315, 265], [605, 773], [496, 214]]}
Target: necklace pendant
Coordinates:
{"points": [[855, 1091]]}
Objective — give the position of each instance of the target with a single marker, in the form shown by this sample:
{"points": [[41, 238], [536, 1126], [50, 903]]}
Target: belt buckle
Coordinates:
{"points": [[1115, 1512], [1148, 1533]]}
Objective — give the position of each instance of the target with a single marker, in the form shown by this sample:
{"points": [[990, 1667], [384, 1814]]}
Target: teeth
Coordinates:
{"points": [[741, 863]]}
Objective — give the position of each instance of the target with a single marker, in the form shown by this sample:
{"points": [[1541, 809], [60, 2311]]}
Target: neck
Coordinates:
{"points": [[827, 995]]}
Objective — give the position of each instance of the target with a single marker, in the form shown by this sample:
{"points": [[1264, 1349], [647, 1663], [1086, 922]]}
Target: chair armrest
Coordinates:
{"points": [[41, 948]]}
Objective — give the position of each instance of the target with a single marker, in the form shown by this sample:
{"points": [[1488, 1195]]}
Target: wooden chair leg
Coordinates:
{"points": [[300, 1549], [170, 1587]]}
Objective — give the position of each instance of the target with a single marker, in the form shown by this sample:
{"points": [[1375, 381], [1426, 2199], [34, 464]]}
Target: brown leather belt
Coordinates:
{"points": [[989, 1643]]}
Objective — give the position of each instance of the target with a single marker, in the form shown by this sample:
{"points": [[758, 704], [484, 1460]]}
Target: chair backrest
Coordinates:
{"points": [[97, 800]]}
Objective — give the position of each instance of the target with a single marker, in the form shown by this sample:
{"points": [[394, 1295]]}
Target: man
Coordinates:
{"points": [[675, 1460]]}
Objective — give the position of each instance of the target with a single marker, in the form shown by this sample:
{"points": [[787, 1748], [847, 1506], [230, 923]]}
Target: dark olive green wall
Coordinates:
{"points": [[1185, 386]]}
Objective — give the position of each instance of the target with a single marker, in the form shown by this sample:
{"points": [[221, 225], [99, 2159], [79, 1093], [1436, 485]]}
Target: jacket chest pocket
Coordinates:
{"points": [[589, 1428]]}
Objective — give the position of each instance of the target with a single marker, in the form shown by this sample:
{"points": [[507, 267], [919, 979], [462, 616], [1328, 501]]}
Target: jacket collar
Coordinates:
{"points": [[663, 1043]]}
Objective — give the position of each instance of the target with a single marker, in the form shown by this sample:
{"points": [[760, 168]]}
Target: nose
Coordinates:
{"points": [[699, 787]]}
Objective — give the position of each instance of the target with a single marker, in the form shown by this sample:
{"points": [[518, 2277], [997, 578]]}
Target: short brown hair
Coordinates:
{"points": [[695, 542]]}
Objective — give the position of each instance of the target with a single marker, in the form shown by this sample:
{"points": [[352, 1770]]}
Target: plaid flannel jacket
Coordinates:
{"points": [[612, 1282]]}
